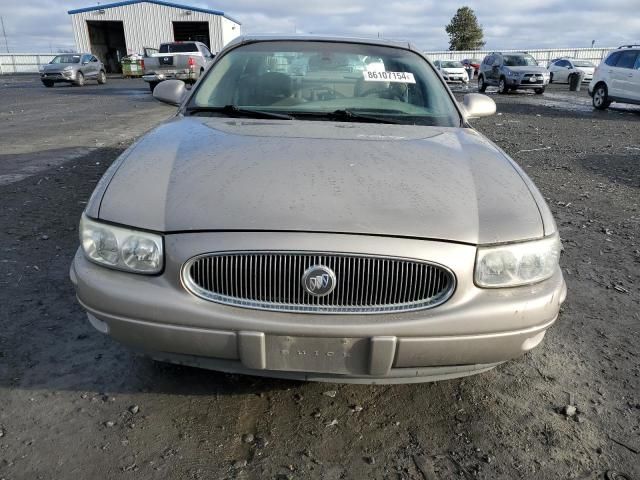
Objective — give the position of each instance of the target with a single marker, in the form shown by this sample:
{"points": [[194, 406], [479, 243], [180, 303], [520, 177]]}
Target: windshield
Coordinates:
{"points": [[520, 61], [446, 64], [178, 47], [582, 63], [66, 59], [306, 79]]}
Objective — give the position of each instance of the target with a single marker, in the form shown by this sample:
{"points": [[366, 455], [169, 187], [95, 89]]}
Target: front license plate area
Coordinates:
{"points": [[314, 354]]}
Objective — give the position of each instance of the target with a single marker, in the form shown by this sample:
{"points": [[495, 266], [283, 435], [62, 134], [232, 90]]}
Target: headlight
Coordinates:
{"points": [[510, 73], [516, 264], [121, 248]]}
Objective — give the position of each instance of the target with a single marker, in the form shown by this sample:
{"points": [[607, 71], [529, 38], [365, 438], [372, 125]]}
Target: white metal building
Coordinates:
{"points": [[112, 31]]}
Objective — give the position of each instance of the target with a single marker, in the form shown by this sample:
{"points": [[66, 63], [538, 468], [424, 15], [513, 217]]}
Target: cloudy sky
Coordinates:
{"points": [[43, 25]]}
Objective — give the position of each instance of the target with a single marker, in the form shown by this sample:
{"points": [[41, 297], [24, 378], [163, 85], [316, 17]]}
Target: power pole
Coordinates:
{"points": [[4, 33]]}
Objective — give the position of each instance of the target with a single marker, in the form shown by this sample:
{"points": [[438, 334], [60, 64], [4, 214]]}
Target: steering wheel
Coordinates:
{"points": [[328, 90]]}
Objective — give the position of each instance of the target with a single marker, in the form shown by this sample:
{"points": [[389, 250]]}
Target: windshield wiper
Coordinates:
{"points": [[349, 116], [235, 111]]}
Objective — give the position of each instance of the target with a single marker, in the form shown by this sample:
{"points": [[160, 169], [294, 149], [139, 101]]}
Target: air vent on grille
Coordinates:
{"points": [[273, 281]]}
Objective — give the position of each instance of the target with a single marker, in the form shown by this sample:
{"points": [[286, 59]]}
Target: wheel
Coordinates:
{"points": [[482, 87], [102, 78], [47, 83], [79, 79], [502, 86], [551, 77], [600, 97], [539, 91], [152, 86]]}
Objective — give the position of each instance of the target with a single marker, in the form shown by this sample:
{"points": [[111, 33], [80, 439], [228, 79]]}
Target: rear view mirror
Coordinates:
{"points": [[170, 91], [477, 105]]}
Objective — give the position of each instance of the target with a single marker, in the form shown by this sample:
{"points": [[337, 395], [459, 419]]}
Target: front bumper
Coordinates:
{"points": [[456, 78], [58, 76], [521, 83], [474, 331]]}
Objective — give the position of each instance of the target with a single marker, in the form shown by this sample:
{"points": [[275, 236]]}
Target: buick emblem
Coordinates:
{"points": [[319, 280]]}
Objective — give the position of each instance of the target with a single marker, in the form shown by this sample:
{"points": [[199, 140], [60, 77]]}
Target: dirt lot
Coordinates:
{"points": [[74, 404]]}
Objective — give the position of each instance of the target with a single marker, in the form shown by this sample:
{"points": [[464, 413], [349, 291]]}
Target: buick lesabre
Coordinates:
{"points": [[312, 213]]}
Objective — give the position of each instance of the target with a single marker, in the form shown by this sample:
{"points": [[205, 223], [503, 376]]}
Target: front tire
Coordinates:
{"points": [[502, 86], [47, 83], [79, 79], [482, 87], [551, 77], [539, 91], [600, 98], [102, 78]]}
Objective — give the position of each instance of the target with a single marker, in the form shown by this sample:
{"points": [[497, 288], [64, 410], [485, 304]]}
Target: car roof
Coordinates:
{"points": [[321, 38], [509, 53]]}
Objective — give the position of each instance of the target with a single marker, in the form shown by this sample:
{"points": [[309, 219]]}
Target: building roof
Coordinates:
{"points": [[157, 2]]}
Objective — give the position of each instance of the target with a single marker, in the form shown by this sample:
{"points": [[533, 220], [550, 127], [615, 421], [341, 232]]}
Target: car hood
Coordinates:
{"points": [[528, 69], [213, 173], [454, 70], [58, 67], [587, 70]]}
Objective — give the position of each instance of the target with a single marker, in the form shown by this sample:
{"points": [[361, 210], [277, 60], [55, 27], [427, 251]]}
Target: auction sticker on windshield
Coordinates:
{"points": [[399, 77]]}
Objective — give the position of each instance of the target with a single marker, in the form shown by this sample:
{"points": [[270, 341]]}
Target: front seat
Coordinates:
{"points": [[273, 88]]}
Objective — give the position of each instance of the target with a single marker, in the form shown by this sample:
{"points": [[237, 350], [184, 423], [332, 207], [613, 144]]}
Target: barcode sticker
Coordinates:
{"points": [[399, 77]]}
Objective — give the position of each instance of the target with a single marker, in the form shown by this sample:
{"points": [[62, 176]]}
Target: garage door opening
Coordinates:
{"points": [[107, 43], [193, 31]]}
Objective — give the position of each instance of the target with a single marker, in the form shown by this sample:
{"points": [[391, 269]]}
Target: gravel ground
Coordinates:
{"points": [[74, 404]]}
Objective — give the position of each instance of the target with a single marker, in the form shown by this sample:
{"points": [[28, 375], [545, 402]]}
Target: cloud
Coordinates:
{"points": [[41, 25]]}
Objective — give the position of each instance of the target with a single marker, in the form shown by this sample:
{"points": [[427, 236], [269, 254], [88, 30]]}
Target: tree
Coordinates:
{"points": [[465, 33]]}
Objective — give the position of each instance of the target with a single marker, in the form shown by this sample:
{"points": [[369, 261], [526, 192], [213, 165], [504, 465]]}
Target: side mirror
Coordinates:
{"points": [[477, 105], [170, 91]]}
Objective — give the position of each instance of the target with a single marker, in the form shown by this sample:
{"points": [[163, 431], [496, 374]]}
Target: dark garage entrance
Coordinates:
{"points": [[107, 43], [194, 31]]}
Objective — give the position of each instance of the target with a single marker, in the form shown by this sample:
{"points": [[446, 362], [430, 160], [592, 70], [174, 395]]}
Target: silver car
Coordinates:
{"points": [[320, 223], [74, 68], [512, 71]]}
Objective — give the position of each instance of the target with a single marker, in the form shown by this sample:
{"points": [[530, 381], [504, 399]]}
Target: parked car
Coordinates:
{"points": [[74, 68], [348, 227], [474, 63], [452, 71], [560, 69], [617, 78], [512, 71], [184, 61]]}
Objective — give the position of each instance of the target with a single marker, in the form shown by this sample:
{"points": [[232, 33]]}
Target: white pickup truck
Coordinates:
{"points": [[176, 60]]}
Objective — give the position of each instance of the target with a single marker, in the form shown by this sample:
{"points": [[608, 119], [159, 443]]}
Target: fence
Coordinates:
{"points": [[23, 62], [542, 55], [29, 62]]}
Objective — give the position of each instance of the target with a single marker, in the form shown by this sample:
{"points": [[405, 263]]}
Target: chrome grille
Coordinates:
{"points": [[272, 281]]}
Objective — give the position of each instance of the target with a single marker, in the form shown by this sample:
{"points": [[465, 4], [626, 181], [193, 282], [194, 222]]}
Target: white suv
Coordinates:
{"points": [[617, 78]]}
